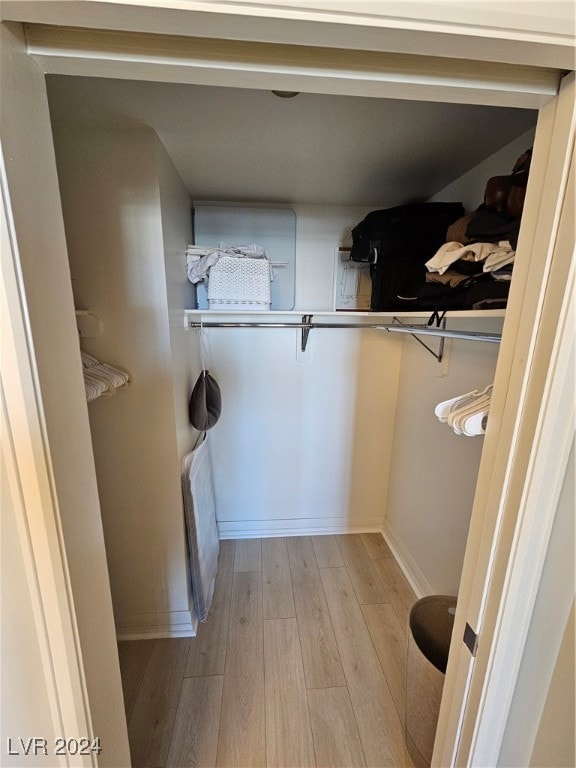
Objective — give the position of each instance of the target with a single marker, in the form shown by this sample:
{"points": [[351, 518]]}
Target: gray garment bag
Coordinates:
{"points": [[201, 526]]}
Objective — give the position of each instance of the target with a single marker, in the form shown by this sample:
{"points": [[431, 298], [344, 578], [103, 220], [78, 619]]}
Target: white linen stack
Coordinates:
{"points": [[101, 379], [466, 414]]}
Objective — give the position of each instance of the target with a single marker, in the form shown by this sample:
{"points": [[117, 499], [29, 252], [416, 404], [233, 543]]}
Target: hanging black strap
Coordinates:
{"points": [[436, 317]]}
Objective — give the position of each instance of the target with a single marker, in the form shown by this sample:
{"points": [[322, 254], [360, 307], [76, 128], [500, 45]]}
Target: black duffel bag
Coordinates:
{"points": [[397, 242]]}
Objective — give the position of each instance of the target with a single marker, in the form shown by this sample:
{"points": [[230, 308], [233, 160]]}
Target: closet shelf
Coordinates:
{"points": [[390, 323]]}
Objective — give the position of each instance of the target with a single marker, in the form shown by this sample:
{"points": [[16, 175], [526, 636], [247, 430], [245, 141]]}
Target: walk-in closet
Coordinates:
{"points": [[338, 437], [361, 458], [328, 427]]}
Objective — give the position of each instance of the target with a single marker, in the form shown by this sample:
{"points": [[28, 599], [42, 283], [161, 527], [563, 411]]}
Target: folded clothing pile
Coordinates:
{"points": [[101, 379], [473, 269], [472, 276]]}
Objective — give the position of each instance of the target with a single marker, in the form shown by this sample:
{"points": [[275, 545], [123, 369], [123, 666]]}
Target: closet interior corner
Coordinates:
{"points": [[333, 434]]}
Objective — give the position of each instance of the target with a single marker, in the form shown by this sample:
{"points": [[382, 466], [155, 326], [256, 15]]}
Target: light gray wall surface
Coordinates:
{"points": [[469, 188], [433, 471], [176, 218], [110, 189]]}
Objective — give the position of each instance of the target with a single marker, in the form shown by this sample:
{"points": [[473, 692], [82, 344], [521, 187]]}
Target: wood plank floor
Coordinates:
{"points": [[301, 663]]}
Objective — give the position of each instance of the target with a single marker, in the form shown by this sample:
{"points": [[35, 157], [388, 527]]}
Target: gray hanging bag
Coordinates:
{"points": [[205, 402]]}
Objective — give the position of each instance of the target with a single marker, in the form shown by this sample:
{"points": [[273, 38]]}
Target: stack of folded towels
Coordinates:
{"points": [[100, 379]]}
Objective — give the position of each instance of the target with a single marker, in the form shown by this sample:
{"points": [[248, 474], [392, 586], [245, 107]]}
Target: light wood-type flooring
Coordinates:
{"points": [[302, 662]]}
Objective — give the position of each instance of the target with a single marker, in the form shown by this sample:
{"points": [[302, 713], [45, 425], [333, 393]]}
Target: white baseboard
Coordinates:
{"points": [[250, 529], [151, 626], [410, 569]]}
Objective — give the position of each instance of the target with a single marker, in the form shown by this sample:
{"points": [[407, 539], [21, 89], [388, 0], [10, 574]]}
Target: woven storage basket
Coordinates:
{"points": [[239, 283]]}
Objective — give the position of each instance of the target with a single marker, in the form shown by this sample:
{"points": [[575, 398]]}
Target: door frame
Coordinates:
{"points": [[46, 425], [528, 434], [517, 571], [31, 489], [518, 379]]}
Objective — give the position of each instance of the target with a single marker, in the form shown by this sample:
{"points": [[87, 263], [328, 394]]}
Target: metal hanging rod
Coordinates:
{"points": [[307, 324], [440, 330]]}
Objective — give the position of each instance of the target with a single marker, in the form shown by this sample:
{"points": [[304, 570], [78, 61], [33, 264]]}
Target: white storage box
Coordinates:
{"points": [[239, 284]]}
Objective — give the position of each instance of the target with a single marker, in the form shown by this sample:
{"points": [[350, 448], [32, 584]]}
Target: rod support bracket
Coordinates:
{"points": [[436, 355], [306, 327]]}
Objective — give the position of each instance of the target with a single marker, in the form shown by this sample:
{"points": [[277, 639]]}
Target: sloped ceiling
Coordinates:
{"points": [[231, 144]]}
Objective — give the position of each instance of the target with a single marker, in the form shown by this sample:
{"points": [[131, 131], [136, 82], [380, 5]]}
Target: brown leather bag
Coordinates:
{"points": [[505, 194], [498, 218]]}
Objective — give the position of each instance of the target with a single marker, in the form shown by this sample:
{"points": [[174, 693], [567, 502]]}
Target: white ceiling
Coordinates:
{"points": [[239, 145]]}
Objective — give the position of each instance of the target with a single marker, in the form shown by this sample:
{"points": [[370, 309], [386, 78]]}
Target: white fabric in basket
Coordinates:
{"points": [[240, 281]]}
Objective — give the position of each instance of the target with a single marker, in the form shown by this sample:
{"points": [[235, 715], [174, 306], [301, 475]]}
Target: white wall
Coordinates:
{"points": [[433, 472], [302, 447], [176, 213], [320, 229], [304, 440], [469, 188], [110, 190]]}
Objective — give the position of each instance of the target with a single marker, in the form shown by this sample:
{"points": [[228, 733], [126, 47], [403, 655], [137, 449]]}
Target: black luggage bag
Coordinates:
{"points": [[397, 242]]}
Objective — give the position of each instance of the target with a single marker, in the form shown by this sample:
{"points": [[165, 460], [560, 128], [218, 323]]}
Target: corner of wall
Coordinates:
{"points": [[469, 188], [176, 218], [406, 561]]}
